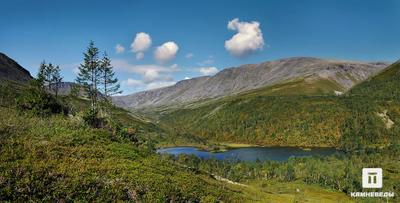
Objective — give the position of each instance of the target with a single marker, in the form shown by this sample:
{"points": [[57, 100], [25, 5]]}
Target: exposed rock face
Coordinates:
{"points": [[11, 70], [252, 76]]}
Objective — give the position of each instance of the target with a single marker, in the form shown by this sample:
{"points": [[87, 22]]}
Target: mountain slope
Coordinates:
{"points": [[267, 117], [341, 75], [384, 85], [12, 71]]}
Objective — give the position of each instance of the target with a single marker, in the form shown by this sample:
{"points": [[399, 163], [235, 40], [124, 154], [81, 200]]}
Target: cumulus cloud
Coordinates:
{"points": [[140, 44], [151, 76], [140, 85], [156, 85], [248, 38], [189, 55], [132, 83], [119, 49], [166, 52], [208, 70]]}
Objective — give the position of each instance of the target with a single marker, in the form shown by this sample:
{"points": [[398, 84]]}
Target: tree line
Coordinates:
{"points": [[96, 76], [96, 79]]}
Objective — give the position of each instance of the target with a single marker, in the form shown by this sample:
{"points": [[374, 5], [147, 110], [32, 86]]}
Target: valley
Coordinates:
{"points": [[205, 101], [61, 157]]}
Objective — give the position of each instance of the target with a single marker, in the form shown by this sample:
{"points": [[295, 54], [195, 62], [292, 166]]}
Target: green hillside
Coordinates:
{"points": [[384, 85], [301, 86], [57, 156], [280, 115], [60, 158]]}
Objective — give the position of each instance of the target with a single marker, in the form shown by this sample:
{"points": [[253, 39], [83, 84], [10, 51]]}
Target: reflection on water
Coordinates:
{"points": [[251, 153]]}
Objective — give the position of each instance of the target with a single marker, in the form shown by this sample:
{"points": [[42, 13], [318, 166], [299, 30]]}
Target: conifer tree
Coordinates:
{"points": [[56, 80], [90, 73], [41, 74], [49, 77], [108, 79]]}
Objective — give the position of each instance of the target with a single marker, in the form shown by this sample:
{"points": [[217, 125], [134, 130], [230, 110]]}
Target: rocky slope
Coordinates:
{"points": [[12, 71], [343, 74]]}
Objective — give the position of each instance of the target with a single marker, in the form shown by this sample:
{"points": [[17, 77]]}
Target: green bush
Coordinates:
{"points": [[37, 101], [92, 118], [7, 95]]}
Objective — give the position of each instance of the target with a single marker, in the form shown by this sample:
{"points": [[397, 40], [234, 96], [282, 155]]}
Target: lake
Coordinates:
{"points": [[251, 153]]}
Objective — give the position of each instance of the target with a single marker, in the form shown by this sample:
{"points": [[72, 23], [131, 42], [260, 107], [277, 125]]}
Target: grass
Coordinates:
{"points": [[273, 191], [60, 159]]}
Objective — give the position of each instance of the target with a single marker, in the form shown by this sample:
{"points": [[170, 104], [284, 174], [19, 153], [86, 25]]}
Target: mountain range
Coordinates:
{"points": [[297, 75]]}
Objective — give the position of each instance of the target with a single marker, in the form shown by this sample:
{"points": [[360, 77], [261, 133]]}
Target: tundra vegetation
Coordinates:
{"points": [[72, 148]]}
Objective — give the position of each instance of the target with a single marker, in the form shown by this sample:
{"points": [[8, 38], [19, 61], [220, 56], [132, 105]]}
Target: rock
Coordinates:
{"points": [[12, 71]]}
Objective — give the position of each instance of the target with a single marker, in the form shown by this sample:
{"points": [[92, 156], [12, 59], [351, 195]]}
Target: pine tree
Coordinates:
{"points": [[56, 80], [49, 77], [108, 79], [41, 74], [48, 73], [89, 73]]}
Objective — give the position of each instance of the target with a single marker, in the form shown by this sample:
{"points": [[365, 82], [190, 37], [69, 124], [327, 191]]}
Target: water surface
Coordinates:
{"points": [[251, 153]]}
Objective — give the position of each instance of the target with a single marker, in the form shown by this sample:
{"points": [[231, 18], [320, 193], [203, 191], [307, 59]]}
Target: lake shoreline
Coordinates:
{"points": [[247, 153], [225, 146]]}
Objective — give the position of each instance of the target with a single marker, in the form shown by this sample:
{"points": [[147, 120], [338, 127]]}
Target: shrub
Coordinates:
{"points": [[37, 101], [7, 94], [92, 118]]}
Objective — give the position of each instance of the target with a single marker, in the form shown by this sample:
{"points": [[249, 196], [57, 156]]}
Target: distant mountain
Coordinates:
{"points": [[65, 88], [368, 115], [298, 75], [12, 71]]}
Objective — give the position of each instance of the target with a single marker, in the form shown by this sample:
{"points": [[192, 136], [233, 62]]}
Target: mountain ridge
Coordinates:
{"points": [[253, 76]]}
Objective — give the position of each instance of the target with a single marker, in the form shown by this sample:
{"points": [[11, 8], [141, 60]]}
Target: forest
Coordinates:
{"points": [[349, 122]]}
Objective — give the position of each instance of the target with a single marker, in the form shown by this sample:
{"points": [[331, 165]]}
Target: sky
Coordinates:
{"points": [[157, 43]]}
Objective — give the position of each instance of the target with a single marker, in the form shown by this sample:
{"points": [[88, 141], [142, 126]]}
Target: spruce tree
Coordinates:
{"points": [[49, 77], [56, 80], [108, 79], [41, 74], [89, 73]]}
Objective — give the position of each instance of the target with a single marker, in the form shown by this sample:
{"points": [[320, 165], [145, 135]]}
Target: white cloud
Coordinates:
{"points": [[189, 55], [208, 70], [132, 83], [166, 52], [140, 44], [248, 39], [151, 76], [139, 85], [119, 49], [155, 85], [186, 78]]}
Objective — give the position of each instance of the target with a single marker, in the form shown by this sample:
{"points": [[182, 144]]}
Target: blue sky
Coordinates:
{"points": [[192, 37]]}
